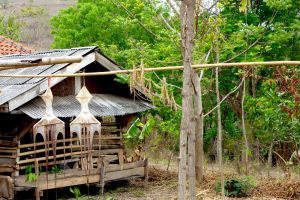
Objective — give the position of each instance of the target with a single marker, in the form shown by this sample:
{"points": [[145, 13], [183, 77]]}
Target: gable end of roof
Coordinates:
{"points": [[18, 91]]}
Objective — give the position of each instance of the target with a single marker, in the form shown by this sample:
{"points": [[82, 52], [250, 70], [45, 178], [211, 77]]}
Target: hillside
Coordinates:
{"points": [[34, 16]]}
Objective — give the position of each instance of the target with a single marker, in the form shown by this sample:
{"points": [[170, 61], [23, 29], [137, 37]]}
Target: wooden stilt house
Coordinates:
{"points": [[60, 140]]}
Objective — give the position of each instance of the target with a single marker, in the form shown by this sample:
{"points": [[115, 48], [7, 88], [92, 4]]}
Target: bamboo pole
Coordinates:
{"points": [[153, 69], [50, 149], [7, 150], [23, 63], [52, 157], [22, 146], [47, 142]]}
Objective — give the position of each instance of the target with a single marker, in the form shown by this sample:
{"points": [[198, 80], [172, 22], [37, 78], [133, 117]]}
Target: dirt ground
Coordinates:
{"points": [[162, 184], [269, 184]]}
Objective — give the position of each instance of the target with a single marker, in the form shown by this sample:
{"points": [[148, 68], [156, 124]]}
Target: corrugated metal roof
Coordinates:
{"points": [[100, 105], [13, 87], [54, 53], [17, 88]]}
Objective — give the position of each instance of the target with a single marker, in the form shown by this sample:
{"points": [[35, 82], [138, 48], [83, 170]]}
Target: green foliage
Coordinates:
{"points": [[55, 169], [128, 31], [168, 125], [267, 117], [125, 30], [10, 26], [279, 4], [138, 131], [30, 176], [76, 192], [109, 198], [32, 11], [237, 187], [132, 30]]}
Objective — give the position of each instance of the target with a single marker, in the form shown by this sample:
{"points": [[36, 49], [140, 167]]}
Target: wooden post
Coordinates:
{"points": [[11, 188], [6, 187], [146, 171], [16, 172], [36, 170], [36, 166], [37, 194], [121, 158], [102, 175]]}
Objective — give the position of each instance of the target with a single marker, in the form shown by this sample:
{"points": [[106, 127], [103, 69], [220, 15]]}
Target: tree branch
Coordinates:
{"points": [[164, 20], [244, 51], [173, 8], [177, 3], [175, 86], [119, 4], [233, 91]]}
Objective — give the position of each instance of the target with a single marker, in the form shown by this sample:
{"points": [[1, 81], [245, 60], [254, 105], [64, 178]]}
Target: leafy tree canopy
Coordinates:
{"points": [[132, 31], [125, 30]]}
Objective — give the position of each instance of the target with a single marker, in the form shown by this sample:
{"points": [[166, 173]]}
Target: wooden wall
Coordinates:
{"points": [[13, 127], [64, 88], [95, 84]]}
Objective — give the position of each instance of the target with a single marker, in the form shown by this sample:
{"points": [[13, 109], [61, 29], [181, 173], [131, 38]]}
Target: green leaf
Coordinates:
{"points": [[133, 131], [147, 128]]}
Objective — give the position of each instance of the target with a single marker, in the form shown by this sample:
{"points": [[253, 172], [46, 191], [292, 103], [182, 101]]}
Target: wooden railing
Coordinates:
{"points": [[69, 152]]}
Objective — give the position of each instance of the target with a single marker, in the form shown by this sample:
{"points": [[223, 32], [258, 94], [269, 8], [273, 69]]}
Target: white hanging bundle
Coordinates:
{"points": [[85, 126], [49, 125]]}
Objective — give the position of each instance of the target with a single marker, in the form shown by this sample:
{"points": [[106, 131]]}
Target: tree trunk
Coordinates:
{"points": [[220, 138], [270, 154], [244, 127], [219, 146], [199, 165], [187, 10], [198, 126], [191, 161], [254, 82]]}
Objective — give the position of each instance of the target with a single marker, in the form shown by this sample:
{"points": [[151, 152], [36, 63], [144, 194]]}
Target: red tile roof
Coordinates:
{"points": [[8, 47]]}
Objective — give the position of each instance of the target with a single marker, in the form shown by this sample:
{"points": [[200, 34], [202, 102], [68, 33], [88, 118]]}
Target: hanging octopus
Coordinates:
{"points": [[85, 126]]}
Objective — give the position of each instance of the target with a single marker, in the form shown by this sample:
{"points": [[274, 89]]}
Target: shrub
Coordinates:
{"points": [[76, 192], [30, 176], [239, 187]]}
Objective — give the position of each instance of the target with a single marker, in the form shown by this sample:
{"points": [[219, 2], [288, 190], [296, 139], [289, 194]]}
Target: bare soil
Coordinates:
{"points": [[162, 184]]}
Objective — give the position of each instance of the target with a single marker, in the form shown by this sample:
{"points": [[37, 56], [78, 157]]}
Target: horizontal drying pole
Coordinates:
{"points": [[32, 62], [153, 69]]}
